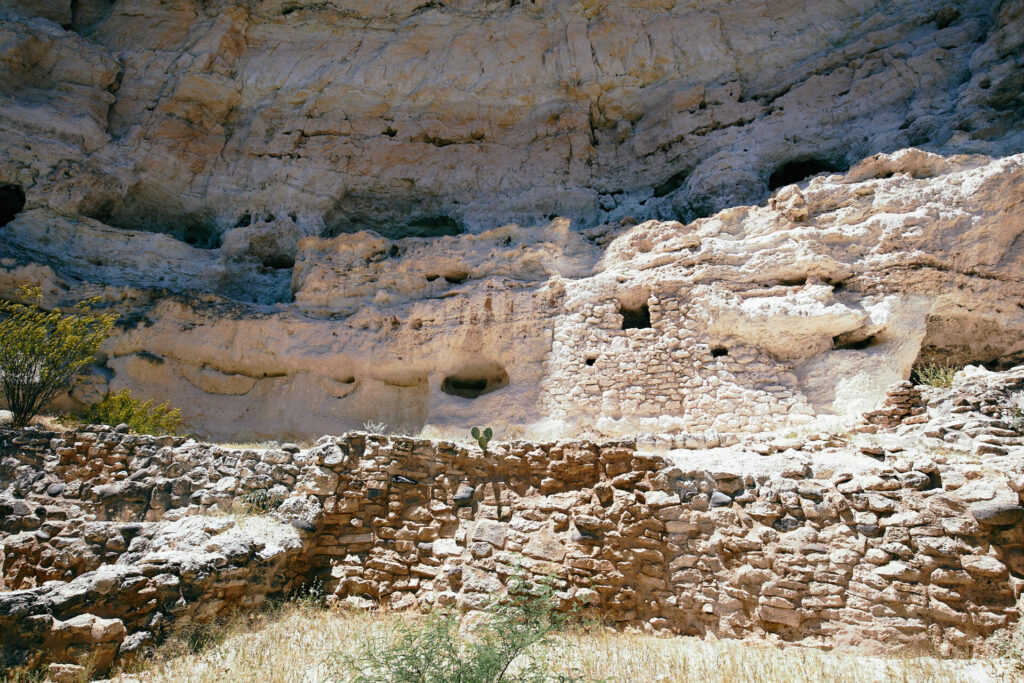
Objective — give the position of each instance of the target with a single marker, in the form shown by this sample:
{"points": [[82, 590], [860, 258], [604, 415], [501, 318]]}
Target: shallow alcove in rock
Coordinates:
{"points": [[851, 341], [12, 201], [475, 379], [801, 169], [671, 184], [390, 216], [279, 261], [456, 277]]}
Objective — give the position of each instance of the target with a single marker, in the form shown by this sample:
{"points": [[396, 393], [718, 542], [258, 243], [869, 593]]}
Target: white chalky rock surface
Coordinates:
{"points": [[315, 215]]}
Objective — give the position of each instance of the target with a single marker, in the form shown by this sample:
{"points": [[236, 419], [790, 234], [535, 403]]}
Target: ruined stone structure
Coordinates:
{"points": [[909, 541]]}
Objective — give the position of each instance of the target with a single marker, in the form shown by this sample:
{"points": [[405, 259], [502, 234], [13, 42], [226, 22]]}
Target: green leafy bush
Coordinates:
{"points": [[41, 351], [141, 416], [512, 642], [934, 374]]}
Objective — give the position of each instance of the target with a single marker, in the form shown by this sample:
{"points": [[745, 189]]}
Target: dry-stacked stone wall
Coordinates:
{"points": [[905, 553], [651, 356]]}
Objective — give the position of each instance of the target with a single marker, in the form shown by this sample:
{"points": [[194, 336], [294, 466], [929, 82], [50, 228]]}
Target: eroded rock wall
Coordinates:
{"points": [[412, 118], [756, 318], [302, 210], [912, 541]]}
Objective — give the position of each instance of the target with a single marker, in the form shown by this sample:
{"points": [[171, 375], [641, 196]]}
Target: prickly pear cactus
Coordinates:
{"points": [[483, 438]]}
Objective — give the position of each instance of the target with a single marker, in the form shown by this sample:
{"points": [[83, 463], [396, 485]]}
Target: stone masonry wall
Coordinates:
{"points": [[808, 553], [670, 375]]}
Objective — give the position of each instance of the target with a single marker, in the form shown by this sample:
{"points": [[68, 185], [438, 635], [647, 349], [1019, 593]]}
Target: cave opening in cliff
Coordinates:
{"points": [[278, 261], [959, 339], [475, 379], [12, 201], [670, 185], [800, 169]]}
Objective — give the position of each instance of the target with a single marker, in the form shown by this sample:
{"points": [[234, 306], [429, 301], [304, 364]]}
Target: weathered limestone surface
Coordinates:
{"points": [[192, 117], [302, 209], [911, 539], [758, 317]]}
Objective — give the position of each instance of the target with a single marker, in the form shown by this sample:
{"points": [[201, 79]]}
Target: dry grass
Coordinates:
{"points": [[50, 423], [295, 643], [935, 374], [56, 423]]}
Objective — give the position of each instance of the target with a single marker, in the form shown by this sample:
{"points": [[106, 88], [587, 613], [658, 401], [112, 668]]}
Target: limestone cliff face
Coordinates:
{"points": [[431, 118], [213, 169]]}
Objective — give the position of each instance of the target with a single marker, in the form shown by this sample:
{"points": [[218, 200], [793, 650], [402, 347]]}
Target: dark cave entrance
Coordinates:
{"points": [[799, 170], [12, 201], [475, 379]]}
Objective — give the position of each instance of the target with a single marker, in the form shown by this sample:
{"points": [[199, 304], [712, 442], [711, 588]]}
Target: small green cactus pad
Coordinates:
{"points": [[482, 438]]}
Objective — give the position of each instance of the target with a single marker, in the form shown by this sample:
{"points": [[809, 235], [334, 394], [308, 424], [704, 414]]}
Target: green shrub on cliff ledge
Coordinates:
{"points": [[934, 374], [42, 351], [141, 416]]}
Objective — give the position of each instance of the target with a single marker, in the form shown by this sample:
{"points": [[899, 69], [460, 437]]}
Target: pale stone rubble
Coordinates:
{"points": [[913, 544]]}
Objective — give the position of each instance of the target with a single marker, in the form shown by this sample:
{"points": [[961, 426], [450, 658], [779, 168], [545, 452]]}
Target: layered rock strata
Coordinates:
{"points": [[302, 209], [195, 117], [755, 318]]}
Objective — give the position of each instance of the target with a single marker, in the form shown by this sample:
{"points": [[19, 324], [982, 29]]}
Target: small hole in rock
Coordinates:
{"points": [[279, 261], [670, 185], [591, 360], [843, 342], [432, 277], [719, 351]]}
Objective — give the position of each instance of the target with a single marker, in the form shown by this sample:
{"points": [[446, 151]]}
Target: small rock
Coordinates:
{"points": [[997, 514], [990, 449], [464, 496], [719, 499], [983, 566], [66, 673], [869, 530], [787, 523]]}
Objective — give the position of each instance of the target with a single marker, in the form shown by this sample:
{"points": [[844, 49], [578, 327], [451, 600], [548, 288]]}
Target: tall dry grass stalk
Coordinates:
{"points": [[295, 643]]}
